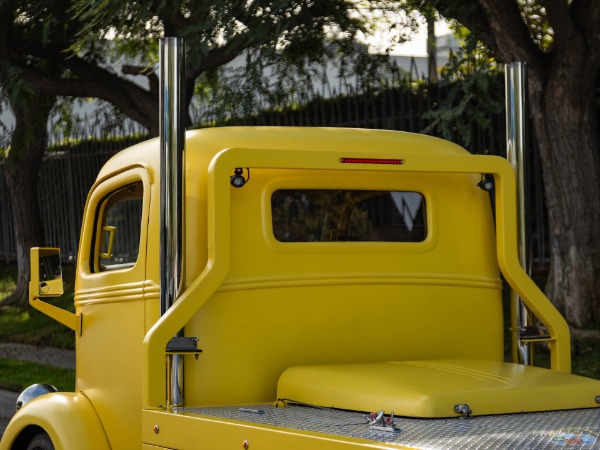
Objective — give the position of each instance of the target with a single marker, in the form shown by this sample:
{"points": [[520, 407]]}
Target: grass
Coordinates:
{"points": [[25, 325], [17, 375], [585, 358], [8, 275]]}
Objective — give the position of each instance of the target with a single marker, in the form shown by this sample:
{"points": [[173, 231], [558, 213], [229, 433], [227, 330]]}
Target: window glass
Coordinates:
{"points": [[120, 227], [325, 215]]}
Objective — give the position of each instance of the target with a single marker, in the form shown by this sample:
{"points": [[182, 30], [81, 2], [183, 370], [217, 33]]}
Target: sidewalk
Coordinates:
{"points": [[42, 355]]}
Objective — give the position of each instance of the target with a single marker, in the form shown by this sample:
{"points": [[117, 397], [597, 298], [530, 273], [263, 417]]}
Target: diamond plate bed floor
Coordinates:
{"points": [[548, 430]]}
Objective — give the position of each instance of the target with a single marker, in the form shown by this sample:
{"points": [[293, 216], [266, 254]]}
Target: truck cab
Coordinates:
{"points": [[326, 271]]}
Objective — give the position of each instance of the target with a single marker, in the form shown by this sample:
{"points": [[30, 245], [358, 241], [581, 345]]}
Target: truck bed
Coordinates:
{"points": [[547, 430]]}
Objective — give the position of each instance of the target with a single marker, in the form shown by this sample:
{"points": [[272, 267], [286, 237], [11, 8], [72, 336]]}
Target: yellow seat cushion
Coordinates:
{"points": [[432, 388]]}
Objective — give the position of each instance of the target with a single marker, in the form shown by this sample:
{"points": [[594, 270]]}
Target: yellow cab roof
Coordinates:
{"points": [[210, 141]]}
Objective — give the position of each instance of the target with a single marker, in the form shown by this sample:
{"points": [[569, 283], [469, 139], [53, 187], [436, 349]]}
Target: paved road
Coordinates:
{"points": [[49, 356], [7, 408]]}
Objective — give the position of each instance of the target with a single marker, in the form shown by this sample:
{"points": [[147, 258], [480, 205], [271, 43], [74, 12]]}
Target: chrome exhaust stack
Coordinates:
{"points": [[172, 185], [516, 142]]}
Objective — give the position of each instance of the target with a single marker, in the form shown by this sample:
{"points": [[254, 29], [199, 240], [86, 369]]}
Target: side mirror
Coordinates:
{"points": [[46, 273], [46, 281]]}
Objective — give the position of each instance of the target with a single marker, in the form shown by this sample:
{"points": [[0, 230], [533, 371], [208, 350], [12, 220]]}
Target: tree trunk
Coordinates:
{"points": [[562, 92], [565, 125], [21, 169]]}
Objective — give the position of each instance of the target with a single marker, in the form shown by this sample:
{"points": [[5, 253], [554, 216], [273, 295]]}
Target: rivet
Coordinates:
{"points": [[245, 445], [597, 398], [156, 429]]}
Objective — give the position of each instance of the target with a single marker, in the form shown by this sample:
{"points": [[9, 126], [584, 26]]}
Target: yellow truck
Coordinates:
{"points": [[304, 288], [329, 274]]}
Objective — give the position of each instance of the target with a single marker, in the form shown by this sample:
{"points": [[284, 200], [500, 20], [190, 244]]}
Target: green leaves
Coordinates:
{"points": [[472, 99]]}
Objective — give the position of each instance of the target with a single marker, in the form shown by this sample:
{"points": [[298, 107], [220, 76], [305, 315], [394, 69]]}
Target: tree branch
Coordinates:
{"points": [[586, 15], [220, 56], [512, 36], [499, 25], [471, 15], [559, 18], [88, 80], [143, 71], [92, 81]]}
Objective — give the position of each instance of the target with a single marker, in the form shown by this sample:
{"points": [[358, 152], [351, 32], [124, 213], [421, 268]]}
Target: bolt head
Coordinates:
{"points": [[156, 429]]}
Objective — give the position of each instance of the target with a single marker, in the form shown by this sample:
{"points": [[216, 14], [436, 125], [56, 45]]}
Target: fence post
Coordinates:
{"points": [[73, 225]]}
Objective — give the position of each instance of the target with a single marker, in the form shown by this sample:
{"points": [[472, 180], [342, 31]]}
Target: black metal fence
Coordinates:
{"points": [[397, 104], [67, 174], [63, 185]]}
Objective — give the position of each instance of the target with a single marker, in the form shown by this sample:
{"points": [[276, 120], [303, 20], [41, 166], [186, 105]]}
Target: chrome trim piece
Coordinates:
{"points": [[33, 391], [172, 143], [172, 137], [516, 118]]}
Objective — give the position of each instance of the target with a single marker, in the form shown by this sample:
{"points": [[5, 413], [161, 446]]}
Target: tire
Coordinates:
{"points": [[41, 441]]}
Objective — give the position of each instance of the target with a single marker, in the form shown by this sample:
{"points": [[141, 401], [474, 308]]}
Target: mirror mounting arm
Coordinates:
{"points": [[68, 319]]}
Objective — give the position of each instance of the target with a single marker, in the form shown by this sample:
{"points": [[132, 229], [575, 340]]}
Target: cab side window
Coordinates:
{"points": [[117, 238]]}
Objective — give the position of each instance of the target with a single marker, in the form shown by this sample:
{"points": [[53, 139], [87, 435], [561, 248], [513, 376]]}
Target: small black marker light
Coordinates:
{"points": [[237, 180], [486, 183]]}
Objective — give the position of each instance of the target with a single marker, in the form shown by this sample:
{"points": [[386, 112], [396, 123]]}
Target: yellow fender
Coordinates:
{"points": [[69, 419]]}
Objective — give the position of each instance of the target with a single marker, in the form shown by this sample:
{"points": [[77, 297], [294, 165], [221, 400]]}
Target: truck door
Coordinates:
{"points": [[111, 293]]}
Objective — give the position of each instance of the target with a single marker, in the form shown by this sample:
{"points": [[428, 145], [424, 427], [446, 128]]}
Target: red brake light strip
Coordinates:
{"points": [[371, 161]]}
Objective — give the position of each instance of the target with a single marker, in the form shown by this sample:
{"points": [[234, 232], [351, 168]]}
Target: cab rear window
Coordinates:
{"points": [[326, 215]]}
